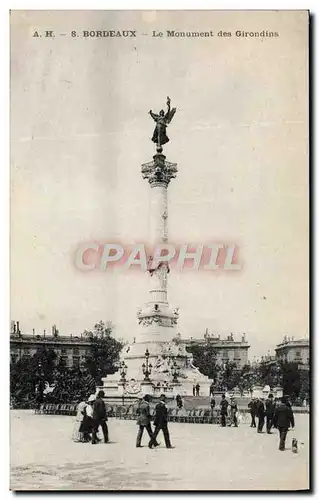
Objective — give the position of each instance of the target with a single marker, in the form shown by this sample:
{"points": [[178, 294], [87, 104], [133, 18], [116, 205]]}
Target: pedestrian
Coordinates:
{"points": [[194, 389], [161, 419], [282, 420], [144, 422], [77, 436], [260, 410], [212, 404], [99, 418], [233, 413], [211, 389], [197, 389], [270, 410], [253, 411], [179, 401], [223, 410], [86, 426]]}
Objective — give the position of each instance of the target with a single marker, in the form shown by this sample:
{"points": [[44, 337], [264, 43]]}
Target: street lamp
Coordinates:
{"points": [[40, 388], [123, 371], [147, 367], [278, 374], [175, 372]]}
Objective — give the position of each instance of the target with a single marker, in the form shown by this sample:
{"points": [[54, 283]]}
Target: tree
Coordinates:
{"points": [[29, 374], [231, 375], [205, 358], [246, 379], [104, 352], [295, 380]]}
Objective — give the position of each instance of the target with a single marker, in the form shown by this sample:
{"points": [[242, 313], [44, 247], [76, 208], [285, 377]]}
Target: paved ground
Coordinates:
{"points": [[206, 457]]}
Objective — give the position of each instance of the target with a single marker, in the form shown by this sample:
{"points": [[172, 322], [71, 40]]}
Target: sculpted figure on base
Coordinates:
{"points": [[162, 120]]}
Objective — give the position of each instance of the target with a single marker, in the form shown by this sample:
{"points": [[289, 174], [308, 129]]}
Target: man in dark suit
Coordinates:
{"points": [[260, 411], [233, 413], [253, 411], [223, 410], [144, 422], [160, 420], [282, 420], [270, 410], [99, 418]]}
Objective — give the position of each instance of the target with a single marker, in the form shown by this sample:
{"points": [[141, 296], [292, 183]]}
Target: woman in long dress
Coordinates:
{"points": [[87, 423], [77, 436]]}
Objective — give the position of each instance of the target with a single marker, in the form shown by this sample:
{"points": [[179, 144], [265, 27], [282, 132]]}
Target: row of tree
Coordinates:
{"points": [[33, 378], [292, 377], [46, 376]]}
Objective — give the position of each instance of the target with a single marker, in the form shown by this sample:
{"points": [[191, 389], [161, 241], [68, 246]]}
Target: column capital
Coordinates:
{"points": [[159, 172]]}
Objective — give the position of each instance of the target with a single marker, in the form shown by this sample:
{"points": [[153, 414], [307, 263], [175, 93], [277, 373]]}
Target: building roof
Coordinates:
{"points": [[290, 342], [48, 339]]}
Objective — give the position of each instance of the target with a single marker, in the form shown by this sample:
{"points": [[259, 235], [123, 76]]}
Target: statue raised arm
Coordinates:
{"points": [[154, 115], [162, 120]]}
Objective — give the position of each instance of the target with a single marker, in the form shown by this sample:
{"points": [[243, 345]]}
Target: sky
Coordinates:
{"points": [[80, 131]]}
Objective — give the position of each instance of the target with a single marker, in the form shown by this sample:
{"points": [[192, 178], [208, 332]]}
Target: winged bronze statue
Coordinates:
{"points": [[162, 120]]}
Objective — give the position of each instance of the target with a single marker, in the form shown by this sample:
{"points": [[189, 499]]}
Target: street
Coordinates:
{"points": [[205, 457]]}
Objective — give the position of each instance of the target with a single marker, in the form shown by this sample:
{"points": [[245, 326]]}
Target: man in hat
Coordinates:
{"points": [[252, 405], [233, 412], [223, 410], [270, 410], [260, 411], [99, 418], [144, 422], [161, 419], [283, 419]]}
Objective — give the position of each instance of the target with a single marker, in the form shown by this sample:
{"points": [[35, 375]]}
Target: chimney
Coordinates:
{"points": [[33, 332], [18, 328]]}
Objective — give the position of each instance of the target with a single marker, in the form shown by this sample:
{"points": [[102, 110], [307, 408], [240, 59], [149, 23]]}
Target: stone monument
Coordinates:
{"points": [[156, 361]]}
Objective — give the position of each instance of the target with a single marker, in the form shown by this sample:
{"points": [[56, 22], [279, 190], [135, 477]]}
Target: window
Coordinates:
{"points": [[225, 355], [76, 351], [65, 359], [63, 351], [76, 362]]}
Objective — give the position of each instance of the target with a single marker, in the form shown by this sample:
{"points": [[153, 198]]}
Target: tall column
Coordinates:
{"points": [[158, 235], [157, 315]]}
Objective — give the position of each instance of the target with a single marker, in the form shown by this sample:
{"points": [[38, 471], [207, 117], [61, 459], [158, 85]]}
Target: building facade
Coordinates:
{"points": [[292, 350], [71, 349], [227, 350]]}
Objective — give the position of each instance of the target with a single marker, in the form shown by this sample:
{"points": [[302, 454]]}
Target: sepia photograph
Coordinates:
{"points": [[159, 250]]}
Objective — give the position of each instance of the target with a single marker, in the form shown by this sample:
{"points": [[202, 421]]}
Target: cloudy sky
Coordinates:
{"points": [[80, 130]]}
